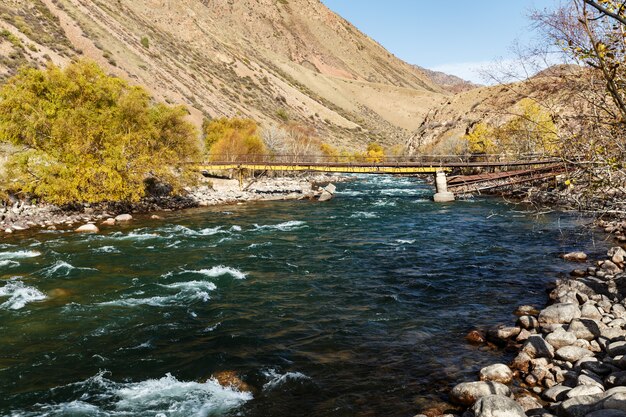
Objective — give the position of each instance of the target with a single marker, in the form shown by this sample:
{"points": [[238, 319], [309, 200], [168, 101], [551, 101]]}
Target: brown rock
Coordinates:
{"points": [[475, 337], [232, 380], [575, 256]]}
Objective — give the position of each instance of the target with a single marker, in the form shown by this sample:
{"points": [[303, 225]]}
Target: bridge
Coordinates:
{"points": [[506, 169]]}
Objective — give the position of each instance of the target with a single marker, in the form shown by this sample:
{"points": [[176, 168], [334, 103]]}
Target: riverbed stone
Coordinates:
{"points": [[123, 218], [537, 347], [507, 332], [88, 228], [561, 338], [580, 406], [556, 393], [572, 353], [528, 322], [615, 402], [617, 348], [584, 390], [497, 373], [521, 362], [561, 313], [590, 311], [586, 329], [607, 413], [108, 222], [497, 406], [575, 256], [467, 393]]}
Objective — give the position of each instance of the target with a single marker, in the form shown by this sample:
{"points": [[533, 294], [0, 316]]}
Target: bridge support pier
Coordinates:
{"points": [[441, 184]]}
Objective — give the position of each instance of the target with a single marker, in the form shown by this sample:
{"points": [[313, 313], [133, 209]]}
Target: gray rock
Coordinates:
{"points": [[88, 228], [616, 379], [561, 313], [615, 402], [591, 380], [123, 218], [561, 338], [523, 335], [611, 333], [575, 256], [607, 413], [521, 362], [616, 348], [556, 393], [507, 332], [572, 353], [497, 373], [584, 390], [610, 268], [528, 322], [580, 406], [467, 393], [325, 196], [590, 311], [497, 406], [619, 311], [537, 347], [530, 404], [586, 329]]}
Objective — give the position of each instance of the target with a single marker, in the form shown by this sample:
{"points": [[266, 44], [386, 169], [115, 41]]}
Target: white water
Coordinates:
{"points": [[283, 227], [19, 254], [276, 379], [218, 271], [20, 294]]}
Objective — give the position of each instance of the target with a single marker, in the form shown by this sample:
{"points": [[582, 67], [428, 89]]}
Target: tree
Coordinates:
{"points": [[374, 153], [481, 139], [531, 131], [83, 136], [233, 140]]}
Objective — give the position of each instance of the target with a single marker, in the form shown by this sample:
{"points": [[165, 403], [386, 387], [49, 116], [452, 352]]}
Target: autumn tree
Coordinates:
{"points": [[233, 139], [83, 136]]}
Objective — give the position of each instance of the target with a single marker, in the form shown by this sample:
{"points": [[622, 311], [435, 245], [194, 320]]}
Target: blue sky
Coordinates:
{"points": [[455, 36]]}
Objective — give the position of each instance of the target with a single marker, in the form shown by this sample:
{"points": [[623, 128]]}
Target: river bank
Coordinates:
{"points": [[571, 359], [22, 215]]}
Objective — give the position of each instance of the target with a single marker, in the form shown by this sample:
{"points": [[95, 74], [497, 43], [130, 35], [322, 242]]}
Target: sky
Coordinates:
{"points": [[456, 36]]}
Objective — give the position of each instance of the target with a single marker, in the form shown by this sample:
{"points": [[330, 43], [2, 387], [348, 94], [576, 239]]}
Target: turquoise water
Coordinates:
{"points": [[355, 307]]}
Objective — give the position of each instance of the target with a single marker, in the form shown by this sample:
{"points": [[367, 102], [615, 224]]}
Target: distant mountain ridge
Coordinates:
{"points": [[449, 82]]}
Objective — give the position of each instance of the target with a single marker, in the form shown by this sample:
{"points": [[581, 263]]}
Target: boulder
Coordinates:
{"points": [[617, 348], [575, 256], [522, 362], [88, 228], [615, 402], [123, 218], [585, 329], [475, 337], [507, 332], [537, 347], [590, 311], [528, 322], [496, 373], [467, 393], [572, 353], [617, 254], [232, 380], [108, 222], [529, 404], [580, 406], [497, 406], [156, 217], [559, 339], [556, 393], [325, 196], [610, 268], [584, 390], [561, 313]]}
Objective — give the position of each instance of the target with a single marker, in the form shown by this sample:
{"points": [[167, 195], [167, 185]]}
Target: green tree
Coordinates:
{"points": [[83, 136]]}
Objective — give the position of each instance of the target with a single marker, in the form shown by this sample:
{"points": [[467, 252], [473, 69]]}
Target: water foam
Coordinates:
{"points": [[277, 379], [106, 249], [20, 295], [283, 227], [364, 215], [405, 241], [20, 254], [218, 271], [62, 268], [166, 396], [188, 292], [9, 263]]}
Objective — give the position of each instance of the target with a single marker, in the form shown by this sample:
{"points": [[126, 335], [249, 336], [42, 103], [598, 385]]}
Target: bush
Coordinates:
{"points": [[375, 153], [145, 42], [88, 137]]}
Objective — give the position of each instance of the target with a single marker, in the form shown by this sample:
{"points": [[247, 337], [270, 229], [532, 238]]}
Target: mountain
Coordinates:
{"points": [[449, 82], [272, 60]]}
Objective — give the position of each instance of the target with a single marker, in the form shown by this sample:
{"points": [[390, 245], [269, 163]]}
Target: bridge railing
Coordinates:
{"points": [[316, 159]]}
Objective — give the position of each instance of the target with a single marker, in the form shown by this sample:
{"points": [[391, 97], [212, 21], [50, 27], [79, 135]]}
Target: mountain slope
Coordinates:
{"points": [[272, 60]]}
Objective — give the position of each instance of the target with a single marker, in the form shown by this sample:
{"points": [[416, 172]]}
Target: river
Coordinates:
{"points": [[355, 307]]}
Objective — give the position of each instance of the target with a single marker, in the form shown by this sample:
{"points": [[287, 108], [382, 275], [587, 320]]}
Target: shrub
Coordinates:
{"points": [[145, 42], [374, 153], [88, 137]]}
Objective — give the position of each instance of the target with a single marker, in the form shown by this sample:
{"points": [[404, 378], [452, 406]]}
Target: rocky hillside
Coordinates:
{"points": [[273, 60], [448, 82]]}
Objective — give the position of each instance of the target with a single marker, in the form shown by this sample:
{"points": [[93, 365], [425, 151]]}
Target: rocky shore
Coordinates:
{"points": [[23, 215], [571, 359]]}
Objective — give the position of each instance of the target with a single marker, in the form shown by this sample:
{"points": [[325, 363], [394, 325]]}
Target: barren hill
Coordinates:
{"points": [[273, 60]]}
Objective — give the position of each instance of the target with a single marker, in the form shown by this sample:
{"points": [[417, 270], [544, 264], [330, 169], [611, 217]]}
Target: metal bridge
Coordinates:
{"points": [[502, 170], [384, 165]]}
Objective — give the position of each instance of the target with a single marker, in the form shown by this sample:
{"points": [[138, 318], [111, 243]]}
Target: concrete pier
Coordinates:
{"points": [[441, 184]]}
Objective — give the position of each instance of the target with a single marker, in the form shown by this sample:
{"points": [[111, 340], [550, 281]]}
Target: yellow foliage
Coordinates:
{"points": [[374, 153], [88, 137], [480, 139], [233, 140], [330, 153]]}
